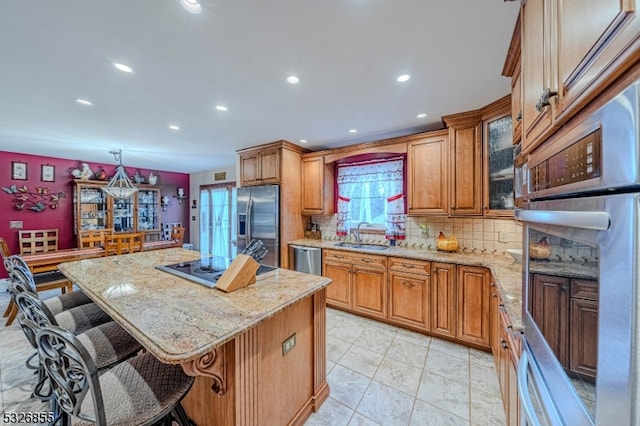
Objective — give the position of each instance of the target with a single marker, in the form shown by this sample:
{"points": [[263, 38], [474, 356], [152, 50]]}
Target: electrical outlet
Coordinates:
{"points": [[15, 224], [289, 344], [503, 237]]}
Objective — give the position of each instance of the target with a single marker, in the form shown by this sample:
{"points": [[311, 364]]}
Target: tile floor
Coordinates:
{"points": [[378, 375]]}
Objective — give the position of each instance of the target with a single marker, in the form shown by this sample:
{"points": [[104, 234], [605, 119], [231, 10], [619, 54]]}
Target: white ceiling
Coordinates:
{"points": [[347, 54]]}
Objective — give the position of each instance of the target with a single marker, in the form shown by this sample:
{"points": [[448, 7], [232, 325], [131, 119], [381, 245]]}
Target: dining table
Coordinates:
{"points": [[258, 353], [49, 261]]}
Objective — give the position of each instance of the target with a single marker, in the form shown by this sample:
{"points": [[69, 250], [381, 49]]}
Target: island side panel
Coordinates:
{"points": [[265, 386]]}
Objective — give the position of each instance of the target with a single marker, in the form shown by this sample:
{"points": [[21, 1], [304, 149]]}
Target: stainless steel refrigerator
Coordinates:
{"points": [[258, 217]]}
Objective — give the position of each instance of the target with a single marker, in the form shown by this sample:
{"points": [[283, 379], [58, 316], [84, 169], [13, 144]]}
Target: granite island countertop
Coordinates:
{"points": [[175, 319], [506, 272]]}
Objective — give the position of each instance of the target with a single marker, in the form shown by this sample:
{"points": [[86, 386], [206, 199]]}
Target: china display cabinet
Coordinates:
{"points": [[95, 211]]}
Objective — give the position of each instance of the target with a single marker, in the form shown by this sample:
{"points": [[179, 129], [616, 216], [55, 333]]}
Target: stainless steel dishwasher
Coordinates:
{"points": [[307, 259]]}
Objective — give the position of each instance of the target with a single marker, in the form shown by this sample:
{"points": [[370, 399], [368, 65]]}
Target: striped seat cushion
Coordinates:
{"points": [[138, 390], [81, 318], [66, 301], [108, 343]]}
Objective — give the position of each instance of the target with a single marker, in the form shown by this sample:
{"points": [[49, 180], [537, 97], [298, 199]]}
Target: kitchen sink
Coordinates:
{"points": [[361, 246]]}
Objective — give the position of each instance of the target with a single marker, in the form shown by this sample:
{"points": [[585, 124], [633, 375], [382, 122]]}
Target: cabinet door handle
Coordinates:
{"points": [[563, 288], [406, 265], [453, 207], [338, 256], [504, 344], [365, 260], [408, 284], [544, 99], [434, 270], [519, 115]]}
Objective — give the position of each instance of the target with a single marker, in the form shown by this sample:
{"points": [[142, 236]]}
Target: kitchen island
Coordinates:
{"points": [[258, 353]]}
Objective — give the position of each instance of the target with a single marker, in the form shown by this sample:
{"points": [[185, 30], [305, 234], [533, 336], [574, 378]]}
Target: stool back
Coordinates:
{"points": [[123, 243]]}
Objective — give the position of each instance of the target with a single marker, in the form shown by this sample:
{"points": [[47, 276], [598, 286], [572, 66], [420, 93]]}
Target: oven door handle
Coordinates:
{"points": [[528, 412], [599, 221]]}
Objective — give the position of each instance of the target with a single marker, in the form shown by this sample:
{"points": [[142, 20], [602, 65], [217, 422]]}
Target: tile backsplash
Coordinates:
{"points": [[473, 234]]}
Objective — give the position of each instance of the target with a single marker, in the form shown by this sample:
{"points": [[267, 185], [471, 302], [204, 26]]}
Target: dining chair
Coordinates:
{"points": [[117, 244], [140, 390], [177, 235], [38, 241], [42, 281], [93, 238]]}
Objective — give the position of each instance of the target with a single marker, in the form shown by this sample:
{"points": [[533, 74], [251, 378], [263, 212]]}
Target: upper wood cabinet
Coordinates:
{"points": [[317, 184], [260, 167], [428, 174], [511, 69], [571, 50], [497, 150], [465, 159]]}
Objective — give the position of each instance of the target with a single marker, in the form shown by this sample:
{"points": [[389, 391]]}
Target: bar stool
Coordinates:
{"points": [[140, 390]]}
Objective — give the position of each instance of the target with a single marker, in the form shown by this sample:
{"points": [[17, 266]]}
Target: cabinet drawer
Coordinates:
{"points": [[584, 289], [359, 259], [410, 265]]}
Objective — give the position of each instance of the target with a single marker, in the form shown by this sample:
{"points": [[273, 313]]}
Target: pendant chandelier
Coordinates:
{"points": [[120, 185]]}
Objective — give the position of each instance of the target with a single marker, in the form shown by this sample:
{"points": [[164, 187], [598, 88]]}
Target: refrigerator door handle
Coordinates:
{"points": [[249, 221]]}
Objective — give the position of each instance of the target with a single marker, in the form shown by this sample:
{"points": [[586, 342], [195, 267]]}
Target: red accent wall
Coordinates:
{"points": [[62, 216]]}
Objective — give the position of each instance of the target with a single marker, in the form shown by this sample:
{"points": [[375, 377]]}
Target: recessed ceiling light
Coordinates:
{"points": [[293, 79], [84, 102], [191, 6], [122, 67], [403, 78], [303, 141], [353, 130], [422, 115], [174, 127], [221, 108]]}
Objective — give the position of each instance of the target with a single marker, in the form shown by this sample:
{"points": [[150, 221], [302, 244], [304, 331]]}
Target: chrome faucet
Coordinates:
{"points": [[356, 233]]}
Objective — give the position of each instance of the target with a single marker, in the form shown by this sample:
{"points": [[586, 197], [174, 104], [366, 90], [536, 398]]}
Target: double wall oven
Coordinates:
{"points": [[581, 224]]}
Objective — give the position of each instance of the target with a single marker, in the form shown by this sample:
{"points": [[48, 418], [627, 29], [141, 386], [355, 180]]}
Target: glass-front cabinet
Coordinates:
{"points": [[148, 213], [94, 210], [498, 152]]}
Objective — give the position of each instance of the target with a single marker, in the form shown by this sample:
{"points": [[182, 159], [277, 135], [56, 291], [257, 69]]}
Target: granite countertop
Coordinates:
{"points": [[506, 272], [175, 319]]}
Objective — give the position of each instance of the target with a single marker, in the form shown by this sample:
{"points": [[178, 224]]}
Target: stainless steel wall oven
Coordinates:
{"points": [[581, 226]]}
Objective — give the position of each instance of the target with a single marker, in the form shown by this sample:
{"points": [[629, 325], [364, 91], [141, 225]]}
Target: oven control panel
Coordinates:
{"points": [[578, 162]]}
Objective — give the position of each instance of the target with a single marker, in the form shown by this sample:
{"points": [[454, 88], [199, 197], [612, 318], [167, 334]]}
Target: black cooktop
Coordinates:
{"points": [[204, 271]]}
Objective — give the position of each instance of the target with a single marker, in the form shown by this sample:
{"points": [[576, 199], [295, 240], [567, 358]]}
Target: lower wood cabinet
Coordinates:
{"points": [[359, 282], [443, 299], [566, 310], [410, 292], [505, 346], [440, 299], [473, 324]]}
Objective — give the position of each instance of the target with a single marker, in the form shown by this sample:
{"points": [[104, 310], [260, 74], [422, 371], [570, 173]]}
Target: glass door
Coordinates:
{"points": [[217, 229], [92, 208], [123, 218], [148, 210]]}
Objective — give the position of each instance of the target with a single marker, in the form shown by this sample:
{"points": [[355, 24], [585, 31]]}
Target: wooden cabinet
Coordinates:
{"points": [[443, 299], [498, 198], [465, 163], [260, 167], [505, 346], [566, 63], [566, 310], [427, 162], [537, 70], [473, 324], [590, 55], [317, 185], [410, 292], [94, 210], [278, 163], [511, 69], [549, 300], [583, 347], [359, 282]]}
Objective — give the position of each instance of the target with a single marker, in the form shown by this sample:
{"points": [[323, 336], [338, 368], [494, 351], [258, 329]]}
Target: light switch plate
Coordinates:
{"points": [[15, 224]]}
